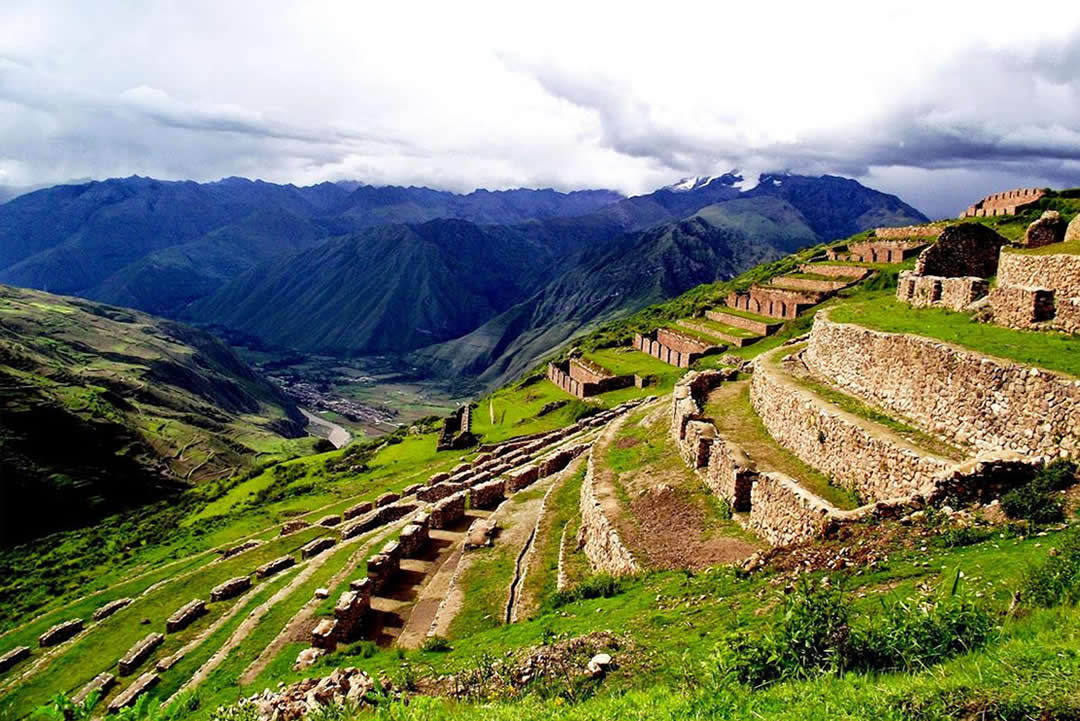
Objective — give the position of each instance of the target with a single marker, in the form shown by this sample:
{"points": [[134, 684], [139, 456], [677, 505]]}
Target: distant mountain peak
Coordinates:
{"points": [[696, 182]]}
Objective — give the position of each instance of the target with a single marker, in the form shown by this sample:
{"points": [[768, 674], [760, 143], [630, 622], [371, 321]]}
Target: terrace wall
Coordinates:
{"points": [[967, 398]]}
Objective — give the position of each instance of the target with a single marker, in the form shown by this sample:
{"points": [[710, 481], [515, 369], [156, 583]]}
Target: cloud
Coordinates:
{"points": [[920, 99]]}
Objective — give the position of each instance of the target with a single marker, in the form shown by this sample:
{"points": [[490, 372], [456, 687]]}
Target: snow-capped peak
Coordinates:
{"points": [[692, 183]]}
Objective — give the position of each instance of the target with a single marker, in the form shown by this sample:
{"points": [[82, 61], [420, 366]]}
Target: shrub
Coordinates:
{"points": [[816, 636], [958, 536], [1038, 500], [601, 585], [436, 644], [1057, 579]]}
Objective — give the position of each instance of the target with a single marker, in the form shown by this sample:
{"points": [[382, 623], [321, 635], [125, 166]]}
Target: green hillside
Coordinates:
{"points": [[106, 408], [962, 609]]}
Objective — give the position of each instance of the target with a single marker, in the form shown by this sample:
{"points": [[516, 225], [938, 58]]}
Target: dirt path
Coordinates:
{"points": [[434, 588], [521, 602]]}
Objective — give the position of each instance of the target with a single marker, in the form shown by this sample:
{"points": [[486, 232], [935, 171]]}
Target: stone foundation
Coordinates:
{"points": [[277, 565], [61, 632], [316, 547], [969, 399], [754, 326], [448, 511], [110, 608], [923, 291], [100, 684], [13, 657], [131, 694], [139, 653], [359, 509], [293, 526], [185, 615], [325, 634], [521, 478], [584, 380], [349, 613], [229, 589], [376, 518], [413, 539], [329, 521], [488, 494]]}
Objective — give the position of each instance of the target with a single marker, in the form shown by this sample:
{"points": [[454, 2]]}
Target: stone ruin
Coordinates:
{"points": [[583, 378], [325, 634], [384, 565], [329, 521], [488, 494], [908, 232], [414, 539], [293, 526], [456, 432], [61, 632], [185, 615], [276, 566], [316, 547], [952, 273], [387, 498], [354, 511], [1038, 292], [774, 302], [13, 657], [674, 348], [100, 684], [110, 608], [131, 694], [1048, 229], [879, 250], [377, 517], [228, 589], [1009, 202], [448, 511], [139, 653], [236, 550]]}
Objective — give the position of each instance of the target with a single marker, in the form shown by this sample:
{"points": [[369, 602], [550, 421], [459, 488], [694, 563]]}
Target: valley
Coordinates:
{"points": [[843, 478]]}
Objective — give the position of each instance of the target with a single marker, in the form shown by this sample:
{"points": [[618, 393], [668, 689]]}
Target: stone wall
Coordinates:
{"points": [[228, 589], [908, 231], [277, 565], [1059, 273], [128, 696], [597, 536], [784, 513], [754, 326], [60, 632], [14, 656], [681, 341], [185, 615], [1047, 230], [583, 381], [650, 344], [377, 517], [1009, 202], [839, 444], [488, 494], [965, 397], [360, 508], [773, 302], [923, 291], [139, 653], [883, 251], [1017, 306], [448, 511], [839, 271], [966, 249]]}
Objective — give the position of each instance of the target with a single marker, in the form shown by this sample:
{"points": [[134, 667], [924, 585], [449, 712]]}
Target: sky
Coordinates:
{"points": [[940, 103]]}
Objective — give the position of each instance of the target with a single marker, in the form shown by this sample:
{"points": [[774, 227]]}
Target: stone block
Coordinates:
{"points": [[131, 694], [139, 653], [316, 547], [324, 635], [61, 632], [1048, 229], [185, 615], [110, 608], [99, 684], [276, 566], [228, 589], [357, 510], [13, 657]]}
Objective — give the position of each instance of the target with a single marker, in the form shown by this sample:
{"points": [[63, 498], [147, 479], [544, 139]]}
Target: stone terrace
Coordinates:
{"points": [[1009, 202]]}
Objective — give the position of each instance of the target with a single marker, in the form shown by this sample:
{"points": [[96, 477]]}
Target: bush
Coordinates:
{"points": [[436, 644], [816, 636], [1038, 501], [959, 536], [602, 585], [1057, 579]]}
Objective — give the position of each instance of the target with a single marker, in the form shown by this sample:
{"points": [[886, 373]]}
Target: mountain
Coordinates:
{"points": [[385, 289], [105, 408], [630, 272], [158, 245], [837, 207], [482, 303]]}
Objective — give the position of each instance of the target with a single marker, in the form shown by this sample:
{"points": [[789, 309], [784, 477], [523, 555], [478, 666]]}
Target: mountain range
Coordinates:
{"points": [[479, 285]]}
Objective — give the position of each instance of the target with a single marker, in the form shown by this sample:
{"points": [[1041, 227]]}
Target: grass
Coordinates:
{"points": [[1071, 247], [881, 311], [736, 420]]}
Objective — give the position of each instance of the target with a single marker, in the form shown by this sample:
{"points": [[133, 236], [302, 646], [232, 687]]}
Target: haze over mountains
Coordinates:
{"points": [[481, 284]]}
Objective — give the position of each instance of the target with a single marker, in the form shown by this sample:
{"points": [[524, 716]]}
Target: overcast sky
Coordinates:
{"points": [[938, 102]]}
